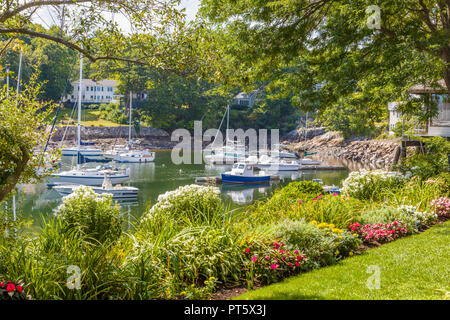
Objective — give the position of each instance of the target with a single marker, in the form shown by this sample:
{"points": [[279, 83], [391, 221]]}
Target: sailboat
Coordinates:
{"points": [[134, 156], [230, 153], [90, 177]]}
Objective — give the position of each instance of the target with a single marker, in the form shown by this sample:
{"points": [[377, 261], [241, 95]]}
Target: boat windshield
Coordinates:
{"points": [[241, 166]]}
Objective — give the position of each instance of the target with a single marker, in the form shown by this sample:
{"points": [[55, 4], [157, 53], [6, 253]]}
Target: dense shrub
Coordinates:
{"points": [[187, 204], [429, 164], [369, 185], [379, 232], [11, 291], [323, 243], [271, 260], [90, 215], [387, 215], [441, 206]]}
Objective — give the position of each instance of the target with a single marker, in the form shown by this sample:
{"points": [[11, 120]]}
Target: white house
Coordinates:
{"points": [[92, 92], [437, 126], [244, 99]]}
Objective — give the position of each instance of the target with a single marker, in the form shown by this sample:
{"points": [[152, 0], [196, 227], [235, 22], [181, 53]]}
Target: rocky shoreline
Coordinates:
{"points": [[107, 137], [378, 153]]}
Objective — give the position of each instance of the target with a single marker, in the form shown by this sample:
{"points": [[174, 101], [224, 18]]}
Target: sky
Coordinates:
{"points": [[47, 18]]}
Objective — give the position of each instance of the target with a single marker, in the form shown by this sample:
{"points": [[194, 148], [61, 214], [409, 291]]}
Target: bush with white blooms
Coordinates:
{"points": [[192, 199], [365, 184]]}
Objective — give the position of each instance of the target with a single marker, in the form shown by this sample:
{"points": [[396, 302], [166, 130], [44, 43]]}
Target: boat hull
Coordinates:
{"points": [[228, 178], [277, 167], [127, 193], [86, 180], [83, 152]]}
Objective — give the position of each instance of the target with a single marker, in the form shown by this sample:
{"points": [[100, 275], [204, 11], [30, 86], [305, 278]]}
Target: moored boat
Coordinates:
{"points": [[244, 173]]}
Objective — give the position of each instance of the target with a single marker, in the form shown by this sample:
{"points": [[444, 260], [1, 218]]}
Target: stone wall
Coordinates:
{"points": [[92, 133]]}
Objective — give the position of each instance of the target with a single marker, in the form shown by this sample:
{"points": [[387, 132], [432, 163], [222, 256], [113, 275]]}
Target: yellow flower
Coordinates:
{"points": [[331, 226], [183, 293], [328, 232], [355, 234], [336, 252], [350, 253], [340, 237], [322, 225], [314, 222], [337, 230], [212, 278]]}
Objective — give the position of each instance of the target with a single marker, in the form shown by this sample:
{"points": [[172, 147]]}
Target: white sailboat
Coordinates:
{"points": [[90, 177], [133, 156], [118, 192], [230, 153]]}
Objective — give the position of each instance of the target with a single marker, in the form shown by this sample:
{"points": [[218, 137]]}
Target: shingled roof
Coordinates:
{"points": [[421, 88]]}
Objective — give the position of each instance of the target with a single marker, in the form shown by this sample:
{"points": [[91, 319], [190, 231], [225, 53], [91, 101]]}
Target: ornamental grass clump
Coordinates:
{"points": [[332, 208], [370, 185], [91, 215]]}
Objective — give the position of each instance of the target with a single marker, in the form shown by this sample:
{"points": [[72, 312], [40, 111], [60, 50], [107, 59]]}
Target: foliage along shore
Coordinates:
{"points": [[188, 243]]}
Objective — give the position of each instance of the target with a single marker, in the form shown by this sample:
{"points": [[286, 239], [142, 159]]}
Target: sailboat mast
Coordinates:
{"points": [[228, 124], [79, 105], [19, 74], [129, 126]]}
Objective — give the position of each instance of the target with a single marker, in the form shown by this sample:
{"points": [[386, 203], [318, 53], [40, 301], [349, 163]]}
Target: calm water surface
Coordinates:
{"points": [[162, 175]]}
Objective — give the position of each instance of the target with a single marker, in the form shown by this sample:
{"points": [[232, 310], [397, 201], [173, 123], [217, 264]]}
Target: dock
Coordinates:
{"points": [[218, 180], [321, 167]]}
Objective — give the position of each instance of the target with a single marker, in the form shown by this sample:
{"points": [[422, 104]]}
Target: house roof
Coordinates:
{"points": [[421, 88], [104, 82]]}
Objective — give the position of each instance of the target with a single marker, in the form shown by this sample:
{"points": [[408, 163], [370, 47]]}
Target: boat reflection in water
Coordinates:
{"points": [[245, 194]]}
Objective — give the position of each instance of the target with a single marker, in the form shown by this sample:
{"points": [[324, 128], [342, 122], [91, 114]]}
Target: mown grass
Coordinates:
{"points": [[89, 118], [415, 267]]}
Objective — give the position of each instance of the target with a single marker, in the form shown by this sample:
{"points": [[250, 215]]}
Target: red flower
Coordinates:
{"points": [[11, 287], [247, 250], [19, 288]]}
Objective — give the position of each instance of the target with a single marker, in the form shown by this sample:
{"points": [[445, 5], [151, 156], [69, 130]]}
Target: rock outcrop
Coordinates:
{"points": [[332, 144]]}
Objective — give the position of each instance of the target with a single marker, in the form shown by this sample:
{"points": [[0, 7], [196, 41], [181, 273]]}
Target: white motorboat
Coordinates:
{"points": [[89, 177], [119, 193], [110, 154], [276, 164], [309, 161], [135, 156]]}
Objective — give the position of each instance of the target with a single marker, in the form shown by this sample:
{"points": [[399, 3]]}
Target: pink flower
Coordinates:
{"points": [[254, 258], [273, 266], [247, 250], [297, 264]]}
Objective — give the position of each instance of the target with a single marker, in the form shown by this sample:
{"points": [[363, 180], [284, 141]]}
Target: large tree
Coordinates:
{"points": [[86, 25], [329, 51]]}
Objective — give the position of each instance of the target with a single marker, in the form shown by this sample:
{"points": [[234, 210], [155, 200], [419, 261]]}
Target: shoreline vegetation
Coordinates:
{"points": [[189, 246]]}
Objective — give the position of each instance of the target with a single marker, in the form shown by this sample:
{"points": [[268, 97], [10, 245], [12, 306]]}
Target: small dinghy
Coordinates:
{"points": [[118, 192], [244, 173]]}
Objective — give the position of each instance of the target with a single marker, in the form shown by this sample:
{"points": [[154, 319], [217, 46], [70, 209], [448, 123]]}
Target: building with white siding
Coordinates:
{"points": [[93, 92]]}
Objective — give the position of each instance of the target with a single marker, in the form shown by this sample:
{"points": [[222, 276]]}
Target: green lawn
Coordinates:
{"points": [[415, 267], [89, 117]]}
